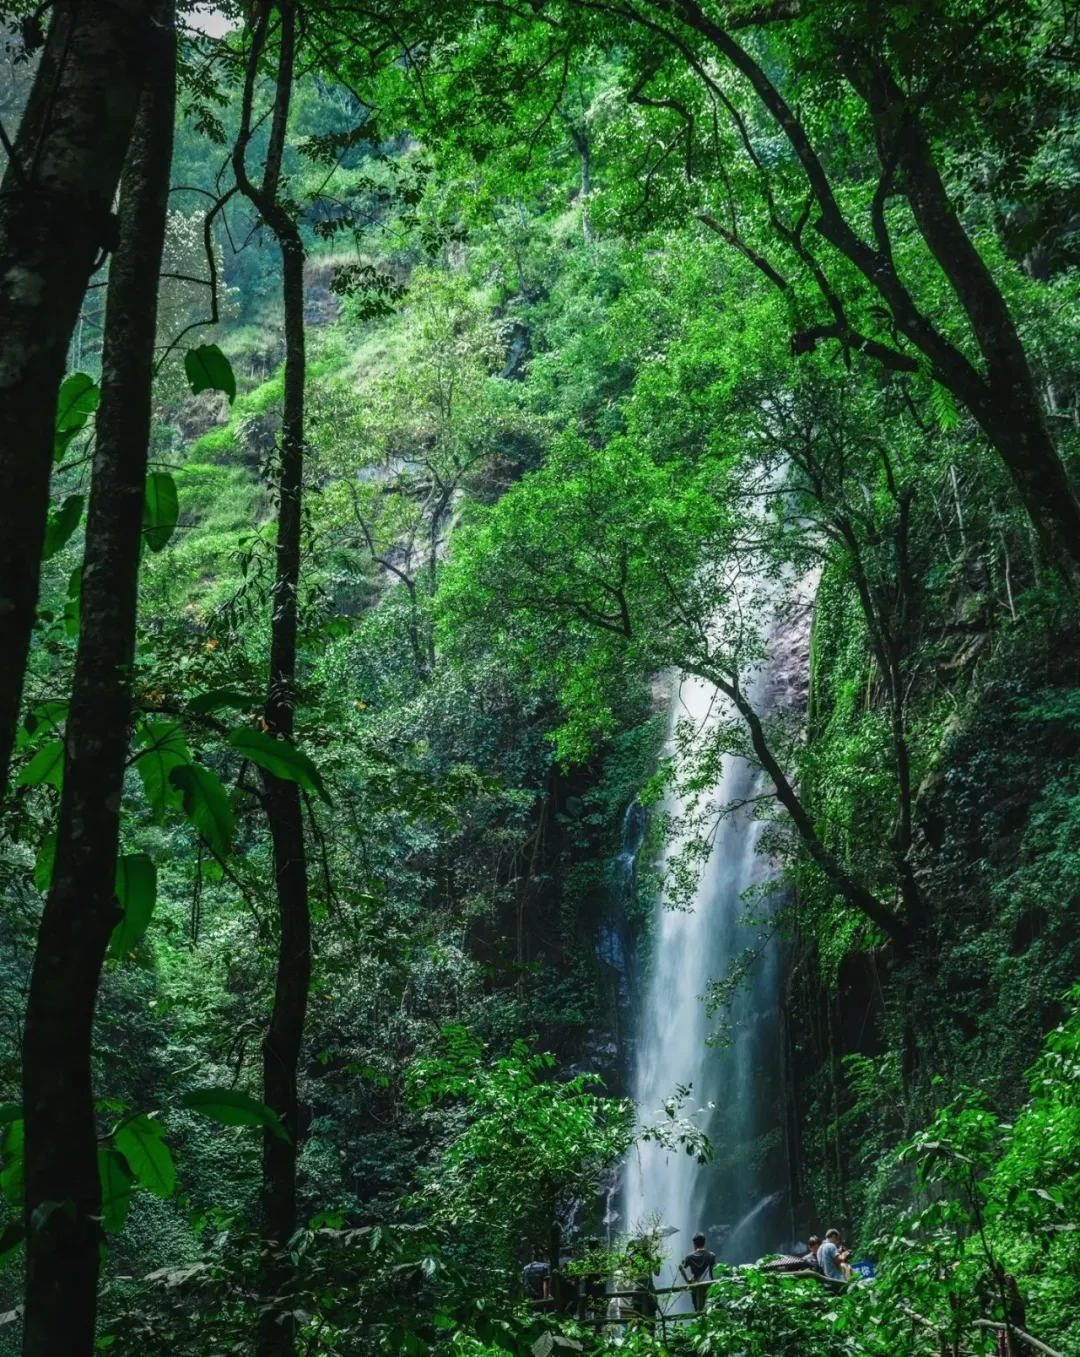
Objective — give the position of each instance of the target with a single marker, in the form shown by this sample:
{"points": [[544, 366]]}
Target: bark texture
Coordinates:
{"points": [[63, 1195], [55, 222]]}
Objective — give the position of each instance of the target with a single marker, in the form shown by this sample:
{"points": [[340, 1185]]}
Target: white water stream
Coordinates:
{"points": [[738, 1200]]}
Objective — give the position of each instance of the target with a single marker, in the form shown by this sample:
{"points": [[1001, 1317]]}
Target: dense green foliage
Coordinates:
{"points": [[614, 362]]}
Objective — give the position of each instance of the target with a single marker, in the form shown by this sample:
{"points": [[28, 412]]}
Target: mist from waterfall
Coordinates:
{"points": [[738, 1200]]}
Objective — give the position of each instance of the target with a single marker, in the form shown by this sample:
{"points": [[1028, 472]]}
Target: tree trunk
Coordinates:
{"points": [[55, 221], [1005, 402], [1003, 399], [63, 1195], [281, 1047]]}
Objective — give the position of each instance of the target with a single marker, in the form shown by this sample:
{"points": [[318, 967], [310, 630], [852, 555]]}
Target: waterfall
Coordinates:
{"points": [[738, 1200]]}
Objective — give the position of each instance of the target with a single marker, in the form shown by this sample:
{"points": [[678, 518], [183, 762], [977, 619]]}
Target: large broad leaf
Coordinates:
{"points": [[206, 804], [220, 698], [62, 523], [115, 1188], [43, 866], [12, 1236], [11, 1179], [161, 749], [161, 509], [46, 718], [136, 889], [230, 1107], [141, 1142], [47, 765], [278, 757], [208, 369], [79, 397]]}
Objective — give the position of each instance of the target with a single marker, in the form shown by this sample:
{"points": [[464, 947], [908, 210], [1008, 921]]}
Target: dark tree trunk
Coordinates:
{"points": [[63, 1196], [55, 221], [1005, 401], [281, 1047]]}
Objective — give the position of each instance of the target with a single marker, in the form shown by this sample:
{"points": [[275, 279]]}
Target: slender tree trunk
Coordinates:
{"points": [[281, 1047], [63, 1196], [55, 221], [282, 1044]]}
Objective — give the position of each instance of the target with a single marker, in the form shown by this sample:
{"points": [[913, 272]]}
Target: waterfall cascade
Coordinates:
{"points": [[738, 1200]]}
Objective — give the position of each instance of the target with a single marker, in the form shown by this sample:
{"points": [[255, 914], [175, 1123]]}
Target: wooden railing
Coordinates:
{"points": [[582, 1302]]}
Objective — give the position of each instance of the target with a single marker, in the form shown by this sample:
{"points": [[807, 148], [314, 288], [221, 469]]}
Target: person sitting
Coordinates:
{"points": [[698, 1265], [829, 1257]]}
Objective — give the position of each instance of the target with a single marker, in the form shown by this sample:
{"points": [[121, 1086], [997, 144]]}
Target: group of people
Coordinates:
{"points": [[829, 1257]]}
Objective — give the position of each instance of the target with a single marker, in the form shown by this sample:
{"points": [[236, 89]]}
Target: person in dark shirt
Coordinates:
{"points": [[535, 1277], [697, 1271]]}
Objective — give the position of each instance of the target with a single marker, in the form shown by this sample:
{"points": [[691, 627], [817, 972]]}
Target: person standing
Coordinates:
{"points": [[829, 1257], [697, 1271], [810, 1258], [536, 1276]]}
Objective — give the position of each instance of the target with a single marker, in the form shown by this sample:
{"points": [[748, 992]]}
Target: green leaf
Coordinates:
{"points": [[11, 1179], [12, 1236], [79, 397], [219, 698], [208, 369], [136, 889], [161, 509], [47, 765], [115, 1179], [62, 523], [279, 757], [161, 749], [73, 605], [45, 718], [142, 1144], [206, 804], [43, 867], [9, 1112], [231, 1107]]}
